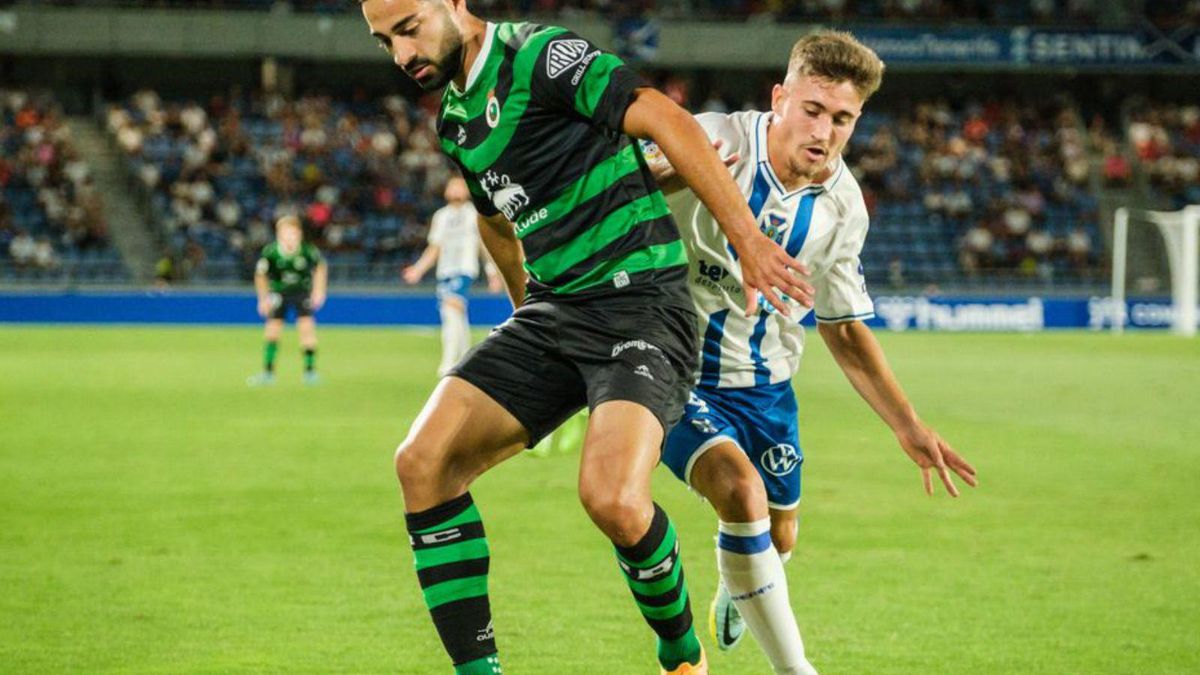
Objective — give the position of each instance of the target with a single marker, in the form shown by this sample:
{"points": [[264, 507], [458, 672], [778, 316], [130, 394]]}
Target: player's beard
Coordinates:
{"points": [[450, 57]]}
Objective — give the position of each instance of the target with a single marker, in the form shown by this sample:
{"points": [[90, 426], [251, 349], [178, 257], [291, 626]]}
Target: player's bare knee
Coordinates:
{"points": [[618, 513], [741, 499], [417, 463]]}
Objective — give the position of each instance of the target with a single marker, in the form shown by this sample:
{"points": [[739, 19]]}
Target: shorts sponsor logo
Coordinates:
{"points": [[563, 54], [640, 345], [621, 279], [704, 426], [644, 371], [780, 460]]}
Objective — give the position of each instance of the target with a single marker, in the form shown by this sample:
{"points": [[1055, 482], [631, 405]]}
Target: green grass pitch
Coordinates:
{"points": [[156, 516]]}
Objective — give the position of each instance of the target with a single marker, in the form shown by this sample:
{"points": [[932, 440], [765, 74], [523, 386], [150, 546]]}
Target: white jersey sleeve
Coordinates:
{"points": [[841, 287]]}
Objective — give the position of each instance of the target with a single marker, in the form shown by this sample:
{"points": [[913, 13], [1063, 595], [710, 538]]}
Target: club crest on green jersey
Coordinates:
{"points": [[492, 111]]}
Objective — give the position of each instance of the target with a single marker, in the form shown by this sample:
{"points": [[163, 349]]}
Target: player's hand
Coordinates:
{"points": [[264, 307], [411, 275], [316, 300], [767, 267], [664, 171], [932, 453]]}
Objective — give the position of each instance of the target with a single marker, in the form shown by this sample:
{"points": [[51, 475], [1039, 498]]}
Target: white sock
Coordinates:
{"points": [[456, 338], [753, 573]]}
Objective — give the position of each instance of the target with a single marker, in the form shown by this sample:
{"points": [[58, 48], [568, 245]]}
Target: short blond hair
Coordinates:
{"points": [[289, 221], [837, 56]]}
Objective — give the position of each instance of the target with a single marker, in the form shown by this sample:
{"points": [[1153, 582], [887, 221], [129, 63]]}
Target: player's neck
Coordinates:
{"points": [[474, 34]]}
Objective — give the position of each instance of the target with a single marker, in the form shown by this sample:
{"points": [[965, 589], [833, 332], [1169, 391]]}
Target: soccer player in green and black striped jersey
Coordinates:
{"points": [[543, 126]]}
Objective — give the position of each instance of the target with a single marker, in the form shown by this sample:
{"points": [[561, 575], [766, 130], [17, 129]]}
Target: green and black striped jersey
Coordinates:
{"points": [[537, 134], [289, 272]]}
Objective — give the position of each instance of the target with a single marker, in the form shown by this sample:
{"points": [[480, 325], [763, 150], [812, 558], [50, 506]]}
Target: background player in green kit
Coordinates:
{"points": [[291, 278], [542, 125]]}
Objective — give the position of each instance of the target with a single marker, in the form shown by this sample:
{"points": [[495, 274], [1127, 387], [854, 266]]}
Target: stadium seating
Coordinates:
{"points": [[366, 176], [977, 194], [1166, 142], [51, 219], [988, 193]]}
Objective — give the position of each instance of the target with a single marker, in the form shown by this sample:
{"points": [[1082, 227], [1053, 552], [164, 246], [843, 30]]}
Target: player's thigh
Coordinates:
{"points": [[460, 433], [724, 475], [520, 367], [619, 454], [784, 526], [621, 447]]}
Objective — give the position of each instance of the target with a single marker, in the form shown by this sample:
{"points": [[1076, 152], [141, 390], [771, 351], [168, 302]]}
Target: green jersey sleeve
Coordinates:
{"points": [[573, 75]]}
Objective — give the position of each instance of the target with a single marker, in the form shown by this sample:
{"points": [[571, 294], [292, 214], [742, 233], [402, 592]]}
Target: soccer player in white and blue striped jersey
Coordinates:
{"points": [[738, 442]]}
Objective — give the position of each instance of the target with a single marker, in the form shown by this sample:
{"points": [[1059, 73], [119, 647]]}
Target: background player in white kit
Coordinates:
{"points": [[454, 246], [738, 442]]}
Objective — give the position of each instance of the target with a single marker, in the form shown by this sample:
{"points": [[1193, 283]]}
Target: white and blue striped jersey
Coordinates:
{"points": [[823, 225], [455, 230]]}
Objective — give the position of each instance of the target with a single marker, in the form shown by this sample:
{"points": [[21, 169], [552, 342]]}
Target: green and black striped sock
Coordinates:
{"points": [[654, 572], [269, 350], [451, 555]]}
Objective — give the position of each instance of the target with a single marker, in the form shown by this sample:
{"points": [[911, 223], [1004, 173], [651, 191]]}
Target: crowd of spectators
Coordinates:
{"points": [[364, 174], [1166, 142], [985, 190], [999, 188], [50, 209]]}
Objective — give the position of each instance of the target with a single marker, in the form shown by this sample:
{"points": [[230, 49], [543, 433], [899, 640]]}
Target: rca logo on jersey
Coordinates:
{"points": [[780, 460], [563, 54], [507, 196]]}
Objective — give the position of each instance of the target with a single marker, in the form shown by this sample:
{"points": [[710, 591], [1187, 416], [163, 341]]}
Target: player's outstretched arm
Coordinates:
{"points": [[856, 350], [414, 272], [765, 265], [502, 244], [320, 285]]}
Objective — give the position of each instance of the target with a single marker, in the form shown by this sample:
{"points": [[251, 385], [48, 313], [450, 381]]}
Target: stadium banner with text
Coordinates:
{"points": [[897, 313], [1034, 47]]}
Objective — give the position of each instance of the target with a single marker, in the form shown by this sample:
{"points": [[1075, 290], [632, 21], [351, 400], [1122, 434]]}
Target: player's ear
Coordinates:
{"points": [[778, 96]]}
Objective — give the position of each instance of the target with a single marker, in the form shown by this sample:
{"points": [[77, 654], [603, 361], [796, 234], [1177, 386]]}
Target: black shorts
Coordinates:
{"points": [[551, 359], [297, 303]]}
